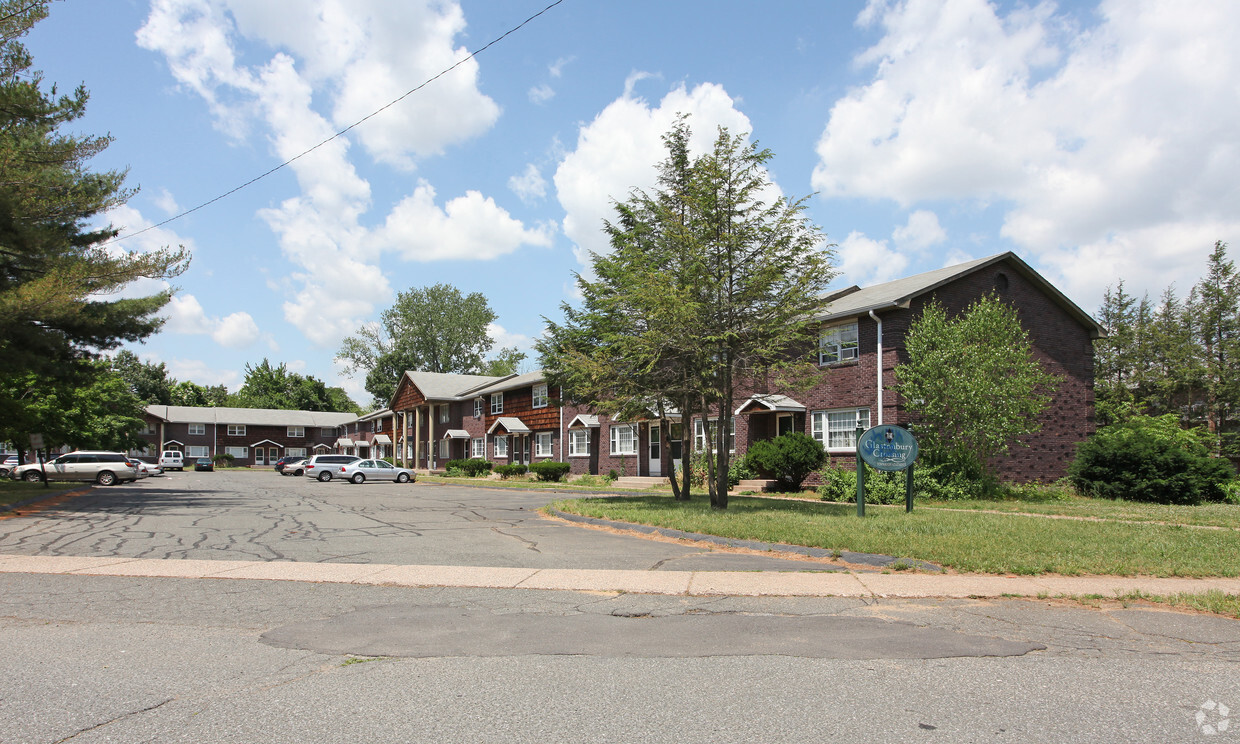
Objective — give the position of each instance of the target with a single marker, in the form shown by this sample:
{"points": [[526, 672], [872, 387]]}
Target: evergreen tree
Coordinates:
{"points": [[1215, 307], [54, 270]]}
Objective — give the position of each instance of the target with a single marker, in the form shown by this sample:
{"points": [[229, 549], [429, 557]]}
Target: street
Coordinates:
{"points": [[138, 659]]}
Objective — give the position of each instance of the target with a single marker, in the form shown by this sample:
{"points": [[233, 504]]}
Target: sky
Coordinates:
{"points": [[1098, 141]]}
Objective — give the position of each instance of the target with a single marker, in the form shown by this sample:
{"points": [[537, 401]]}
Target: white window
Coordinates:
{"points": [[198, 450], [236, 430], [579, 443], [479, 447], [297, 432], [238, 453], [501, 446], [623, 439], [199, 429], [327, 432], [477, 407], [837, 430], [699, 435], [497, 403], [443, 414], [542, 444], [838, 344], [540, 396], [295, 452]]}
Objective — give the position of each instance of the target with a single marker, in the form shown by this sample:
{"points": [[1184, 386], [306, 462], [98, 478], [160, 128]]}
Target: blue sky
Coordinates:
{"points": [[1097, 140]]}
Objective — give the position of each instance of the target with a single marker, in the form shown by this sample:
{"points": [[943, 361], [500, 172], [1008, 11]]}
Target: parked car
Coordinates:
{"points": [[295, 466], [172, 460], [7, 466], [358, 472], [139, 467], [204, 463], [152, 465], [283, 461], [323, 467], [104, 468]]}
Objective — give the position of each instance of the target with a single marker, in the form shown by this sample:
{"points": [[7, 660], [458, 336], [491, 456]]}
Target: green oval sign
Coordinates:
{"points": [[887, 447]]}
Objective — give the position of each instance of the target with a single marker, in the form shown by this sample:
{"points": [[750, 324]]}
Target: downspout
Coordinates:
{"points": [[559, 436], [879, 365]]}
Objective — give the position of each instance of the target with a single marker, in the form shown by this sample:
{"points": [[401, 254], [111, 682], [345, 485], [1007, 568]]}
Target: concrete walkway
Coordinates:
{"points": [[691, 583]]}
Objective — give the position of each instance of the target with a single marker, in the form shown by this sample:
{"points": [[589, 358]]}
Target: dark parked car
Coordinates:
{"points": [[204, 463]]}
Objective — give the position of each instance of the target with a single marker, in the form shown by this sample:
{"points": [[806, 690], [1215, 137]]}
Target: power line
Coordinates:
{"points": [[355, 124]]}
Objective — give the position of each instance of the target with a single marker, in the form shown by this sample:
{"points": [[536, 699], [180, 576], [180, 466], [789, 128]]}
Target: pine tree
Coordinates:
{"points": [[1215, 307]]}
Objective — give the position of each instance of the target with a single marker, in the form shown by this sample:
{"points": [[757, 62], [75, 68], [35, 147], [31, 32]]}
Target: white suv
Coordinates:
{"points": [[104, 468]]}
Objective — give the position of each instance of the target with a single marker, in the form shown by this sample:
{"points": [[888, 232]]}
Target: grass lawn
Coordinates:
{"points": [[1216, 515], [968, 541], [13, 491]]}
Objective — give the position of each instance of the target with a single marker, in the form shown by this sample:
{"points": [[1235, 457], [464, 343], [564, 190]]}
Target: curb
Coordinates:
{"points": [[865, 559]]}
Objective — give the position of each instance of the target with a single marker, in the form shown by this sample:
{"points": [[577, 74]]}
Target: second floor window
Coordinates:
{"points": [[297, 432], [540, 396], [477, 407], [197, 428], [443, 414], [838, 344], [497, 403], [236, 430]]}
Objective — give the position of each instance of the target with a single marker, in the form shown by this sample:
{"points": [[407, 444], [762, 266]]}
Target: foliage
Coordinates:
{"points": [[56, 275], [549, 470], [973, 385], [738, 470], [707, 283], [199, 396], [507, 471], [224, 459], [1150, 459], [471, 468], [276, 388], [506, 361], [789, 459], [434, 329], [147, 380], [92, 409], [929, 482]]}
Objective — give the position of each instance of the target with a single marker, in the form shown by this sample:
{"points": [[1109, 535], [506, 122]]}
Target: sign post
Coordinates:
{"points": [[888, 449], [36, 444]]}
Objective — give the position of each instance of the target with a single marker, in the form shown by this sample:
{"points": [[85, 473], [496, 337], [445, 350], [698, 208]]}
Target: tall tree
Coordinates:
{"points": [[55, 271], [93, 408], [435, 329], [274, 387], [1214, 305], [707, 286], [973, 384], [147, 380], [1114, 355], [192, 394]]}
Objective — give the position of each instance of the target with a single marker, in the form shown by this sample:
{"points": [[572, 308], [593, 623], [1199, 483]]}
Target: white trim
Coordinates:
{"points": [[585, 446], [615, 430], [820, 427]]}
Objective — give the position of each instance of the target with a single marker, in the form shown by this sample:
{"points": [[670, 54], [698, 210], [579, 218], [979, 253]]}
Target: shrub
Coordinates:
{"points": [[612, 475], [1150, 459], [935, 483], [224, 459], [550, 470], [789, 459], [471, 468], [738, 470], [507, 471]]}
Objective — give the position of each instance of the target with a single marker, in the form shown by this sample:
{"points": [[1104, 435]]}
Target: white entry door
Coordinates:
{"points": [[656, 450]]}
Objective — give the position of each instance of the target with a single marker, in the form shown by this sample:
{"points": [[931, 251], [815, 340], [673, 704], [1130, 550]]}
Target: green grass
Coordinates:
{"points": [[968, 541], [13, 491], [1213, 515], [1213, 601]]}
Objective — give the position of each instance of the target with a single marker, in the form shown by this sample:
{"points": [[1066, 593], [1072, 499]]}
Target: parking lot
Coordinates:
{"points": [[261, 515]]}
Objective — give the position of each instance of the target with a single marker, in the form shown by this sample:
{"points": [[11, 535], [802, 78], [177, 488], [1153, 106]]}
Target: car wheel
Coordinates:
{"points": [[32, 476], [358, 478], [105, 478], [402, 478], [324, 477], [297, 472]]}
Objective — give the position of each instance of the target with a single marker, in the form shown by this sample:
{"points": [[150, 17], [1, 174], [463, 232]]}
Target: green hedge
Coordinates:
{"points": [[789, 459], [550, 470], [507, 471], [471, 468]]}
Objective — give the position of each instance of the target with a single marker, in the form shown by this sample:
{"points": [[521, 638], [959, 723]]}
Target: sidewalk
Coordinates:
{"points": [[692, 583]]}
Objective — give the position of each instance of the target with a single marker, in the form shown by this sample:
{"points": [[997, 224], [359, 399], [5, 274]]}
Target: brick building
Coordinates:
{"points": [[253, 436]]}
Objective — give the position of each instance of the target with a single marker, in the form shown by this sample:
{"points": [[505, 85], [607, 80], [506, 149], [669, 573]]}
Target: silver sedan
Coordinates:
{"points": [[359, 471]]}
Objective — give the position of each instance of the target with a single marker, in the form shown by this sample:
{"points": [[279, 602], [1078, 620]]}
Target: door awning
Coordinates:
{"points": [[456, 434], [382, 439], [770, 404], [342, 442], [583, 421], [510, 424]]}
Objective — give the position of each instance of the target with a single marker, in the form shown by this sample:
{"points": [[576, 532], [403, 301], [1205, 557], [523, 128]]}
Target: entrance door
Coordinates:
{"points": [[273, 454], [258, 456], [783, 425], [656, 452]]}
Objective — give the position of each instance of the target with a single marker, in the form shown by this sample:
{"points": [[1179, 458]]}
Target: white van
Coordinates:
{"points": [[171, 460]]}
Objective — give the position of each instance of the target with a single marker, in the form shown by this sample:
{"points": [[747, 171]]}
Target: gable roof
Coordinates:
{"points": [[505, 383], [248, 416], [446, 386], [854, 301]]}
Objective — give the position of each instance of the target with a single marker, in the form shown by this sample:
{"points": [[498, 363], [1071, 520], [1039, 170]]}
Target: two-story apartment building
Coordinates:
{"points": [[253, 436]]}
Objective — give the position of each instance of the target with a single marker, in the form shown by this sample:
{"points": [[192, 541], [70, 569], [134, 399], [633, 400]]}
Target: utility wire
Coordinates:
{"points": [[355, 124]]}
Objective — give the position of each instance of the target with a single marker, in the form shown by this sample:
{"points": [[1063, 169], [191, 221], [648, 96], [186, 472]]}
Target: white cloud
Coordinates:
{"points": [[618, 151], [1111, 151], [530, 186], [503, 338], [920, 232], [198, 371], [556, 69], [471, 227], [541, 93], [864, 261], [186, 316], [166, 202]]}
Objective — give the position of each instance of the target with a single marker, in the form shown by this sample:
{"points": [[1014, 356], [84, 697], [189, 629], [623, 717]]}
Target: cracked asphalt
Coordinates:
{"points": [[92, 658]]}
